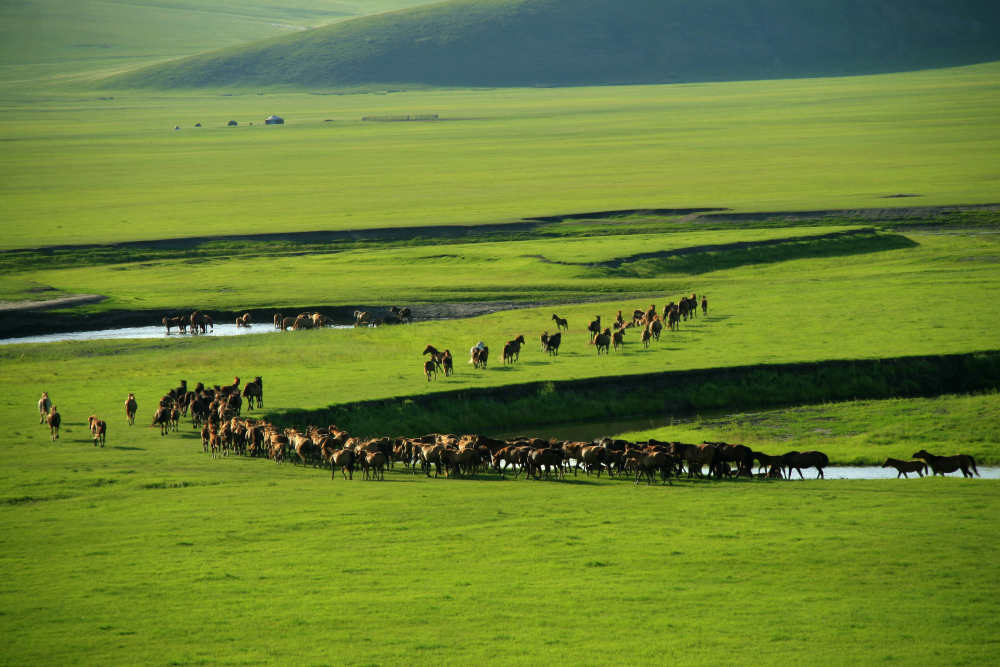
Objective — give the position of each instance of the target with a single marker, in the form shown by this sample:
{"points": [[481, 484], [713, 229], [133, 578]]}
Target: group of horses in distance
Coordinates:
{"points": [[649, 321], [198, 322]]}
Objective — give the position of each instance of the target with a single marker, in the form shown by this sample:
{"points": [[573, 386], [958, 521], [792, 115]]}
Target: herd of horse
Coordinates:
{"points": [[217, 411], [199, 322], [649, 322]]}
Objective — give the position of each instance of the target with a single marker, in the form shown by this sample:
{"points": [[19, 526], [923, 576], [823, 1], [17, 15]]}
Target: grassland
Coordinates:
{"points": [[113, 555], [147, 551], [79, 169]]}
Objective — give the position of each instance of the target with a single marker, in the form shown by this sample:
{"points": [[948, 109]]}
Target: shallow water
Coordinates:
{"points": [[875, 472], [157, 331]]}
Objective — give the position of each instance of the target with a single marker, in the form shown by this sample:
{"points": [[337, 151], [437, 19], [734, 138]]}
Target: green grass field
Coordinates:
{"points": [[152, 552], [80, 169], [148, 551]]}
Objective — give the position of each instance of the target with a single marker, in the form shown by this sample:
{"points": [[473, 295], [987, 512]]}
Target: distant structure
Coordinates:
{"points": [[232, 123], [274, 120]]}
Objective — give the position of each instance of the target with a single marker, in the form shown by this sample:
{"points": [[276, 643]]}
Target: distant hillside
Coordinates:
{"points": [[574, 42]]}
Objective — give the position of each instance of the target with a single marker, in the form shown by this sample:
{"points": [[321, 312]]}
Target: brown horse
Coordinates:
{"points": [[44, 405], [436, 355], [343, 459], [430, 370], [561, 323], [512, 350], [602, 341], [254, 392], [53, 420], [244, 320], [903, 467], [942, 464], [98, 429], [480, 357], [130, 408]]}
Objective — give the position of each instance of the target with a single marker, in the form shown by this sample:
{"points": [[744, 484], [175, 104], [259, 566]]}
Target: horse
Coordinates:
{"points": [[799, 460], [130, 408], [430, 369], [243, 320], [53, 420], [98, 429], [512, 350], [436, 355], [595, 326], [704, 305], [903, 467], [618, 339], [561, 323], [942, 464], [278, 317], [480, 356], [602, 341], [254, 392], [44, 405], [448, 363], [552, 344], [646, 336], [344, 459]]}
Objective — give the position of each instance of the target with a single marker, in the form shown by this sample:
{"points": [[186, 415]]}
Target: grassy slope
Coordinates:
{"points": [[90, 170], [114, 555], [55, 40], [587, 42], [860, 432]]}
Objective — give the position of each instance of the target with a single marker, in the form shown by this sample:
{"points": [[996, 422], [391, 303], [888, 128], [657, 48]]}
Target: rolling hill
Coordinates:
{"points": [[580, 42]]}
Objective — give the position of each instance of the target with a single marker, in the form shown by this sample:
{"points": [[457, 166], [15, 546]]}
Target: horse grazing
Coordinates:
{"points": [[179, 322], [130, 408], [942, 464], [561, 323], [53, 420], [903, 467], [512, 350], [799, 460], [98, 429]]}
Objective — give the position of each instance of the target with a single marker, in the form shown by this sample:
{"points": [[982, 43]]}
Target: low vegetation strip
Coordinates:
{"points": [[678, 393]]}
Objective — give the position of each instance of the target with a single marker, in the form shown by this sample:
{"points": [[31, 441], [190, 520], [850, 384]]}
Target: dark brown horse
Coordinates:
{"points": [[799, 460], [430, 369], [903, 467], [512, 350], [480, 357], [942, 464], [552, 343], [561, 323]]}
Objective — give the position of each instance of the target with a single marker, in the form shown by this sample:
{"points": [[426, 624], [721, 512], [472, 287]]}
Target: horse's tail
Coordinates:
{"points": [[972, 462]]}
